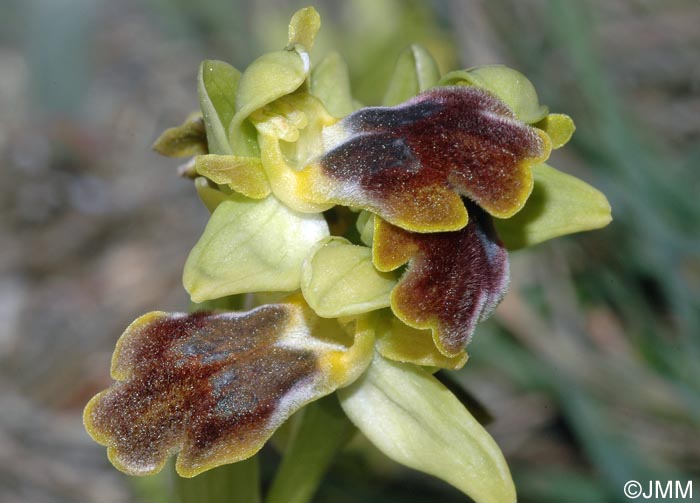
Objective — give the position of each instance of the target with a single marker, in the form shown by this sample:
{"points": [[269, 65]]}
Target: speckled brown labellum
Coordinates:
{"points": [[453, 279], [410, 163], [215, 386]]}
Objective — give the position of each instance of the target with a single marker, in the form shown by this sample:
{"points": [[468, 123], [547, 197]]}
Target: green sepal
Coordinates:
{"points": [[559, 127], [303, 28], [416, 421], [339, 279], [216, 85], [510, 86], [187, 139], [559, 204], [251, 246], [320, 431], [330, 82], [415, 71], [269, 77]]}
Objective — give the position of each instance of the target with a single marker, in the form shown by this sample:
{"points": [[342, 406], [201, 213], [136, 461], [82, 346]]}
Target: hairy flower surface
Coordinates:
{"points": [[216, 386], [367, 243], [410, 164], [453, 279]]}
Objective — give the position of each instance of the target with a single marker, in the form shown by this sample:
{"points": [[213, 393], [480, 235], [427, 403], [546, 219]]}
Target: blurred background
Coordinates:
{"points": [[590, 368]]}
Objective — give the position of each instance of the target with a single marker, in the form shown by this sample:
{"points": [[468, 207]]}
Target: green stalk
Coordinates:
{"points": [[234, 483], [322, 431]]}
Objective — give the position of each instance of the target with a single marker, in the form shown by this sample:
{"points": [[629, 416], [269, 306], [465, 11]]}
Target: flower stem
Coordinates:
{"points": [[323, 431], [234, 483]]}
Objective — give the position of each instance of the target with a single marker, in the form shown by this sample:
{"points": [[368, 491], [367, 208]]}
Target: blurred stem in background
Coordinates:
{"points": [[656, 207], [58, 57]]}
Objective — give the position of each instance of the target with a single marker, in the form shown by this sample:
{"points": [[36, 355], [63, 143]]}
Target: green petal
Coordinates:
{"points": [[269, 77], [303, 27], [187, 139], [217, 83], [559, 127], [415, 71], [413, 419], [330, 82], [399, 342], [509, 85], [242, 174], [249, 246], [338, 279], [559, 204]]}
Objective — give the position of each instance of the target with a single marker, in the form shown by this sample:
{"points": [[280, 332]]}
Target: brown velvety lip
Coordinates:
{"points": [[410, 163], [453, 279]]}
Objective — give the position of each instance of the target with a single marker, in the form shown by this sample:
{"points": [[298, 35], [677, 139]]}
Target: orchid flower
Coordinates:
{"points": [[365, 244]]}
